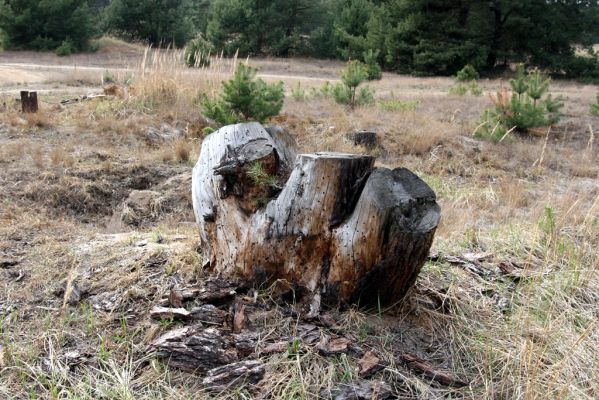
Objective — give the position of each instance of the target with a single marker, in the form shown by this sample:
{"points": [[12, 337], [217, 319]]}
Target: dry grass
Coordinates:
{"points": [[529, 202]]}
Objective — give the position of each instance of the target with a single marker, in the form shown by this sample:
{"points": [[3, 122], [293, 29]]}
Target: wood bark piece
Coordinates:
{"points": [[370, 364], [365, 390], [194, 349], [419, 365], [209, 314], [229, 376], [29, 102], [339, 230], [158, 312], [277, 347], [246, 342], [331, 346]]}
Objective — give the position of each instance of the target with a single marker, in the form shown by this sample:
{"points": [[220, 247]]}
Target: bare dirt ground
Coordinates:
{"points": [[96, 228]]}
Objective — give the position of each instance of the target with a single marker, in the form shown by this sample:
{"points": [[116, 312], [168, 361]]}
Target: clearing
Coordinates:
{"points": [[97, 228]]}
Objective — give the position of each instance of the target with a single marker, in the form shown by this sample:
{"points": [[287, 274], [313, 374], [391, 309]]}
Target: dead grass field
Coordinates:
{"points": [[520, 324]]}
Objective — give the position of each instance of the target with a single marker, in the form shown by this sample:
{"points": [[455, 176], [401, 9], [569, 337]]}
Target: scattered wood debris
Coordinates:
{"points": [[195, 349], [370, 364], [365, 390], [158, 312], [238, 317], [6, 263], [331, 346], [425, 368], [209, 314], [80, 99], [229, 376]]}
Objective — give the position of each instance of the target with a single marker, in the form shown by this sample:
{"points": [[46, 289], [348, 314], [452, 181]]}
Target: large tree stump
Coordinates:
{"points": [[328, 223]]}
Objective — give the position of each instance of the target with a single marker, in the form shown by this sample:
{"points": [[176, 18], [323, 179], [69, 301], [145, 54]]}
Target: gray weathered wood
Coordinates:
{"points": [[236, 374], [340, 229], [194, 349]]}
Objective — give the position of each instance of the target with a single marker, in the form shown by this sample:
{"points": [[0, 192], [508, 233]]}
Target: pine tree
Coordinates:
{"points": [[245, 98], [46, 24], [159, 22]]}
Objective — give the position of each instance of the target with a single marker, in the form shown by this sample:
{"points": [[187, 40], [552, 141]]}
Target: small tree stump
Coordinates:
{"points": [[336, 228], [29, 102], [364, 138]]}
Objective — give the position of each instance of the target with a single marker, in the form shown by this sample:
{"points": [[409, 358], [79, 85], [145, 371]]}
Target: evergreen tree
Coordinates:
{"points": [[261, 26], [160, 22], [245, 98], [46, 24]]}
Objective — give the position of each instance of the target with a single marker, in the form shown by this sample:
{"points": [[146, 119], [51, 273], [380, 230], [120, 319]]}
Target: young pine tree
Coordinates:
{"points": [[245, 98]]}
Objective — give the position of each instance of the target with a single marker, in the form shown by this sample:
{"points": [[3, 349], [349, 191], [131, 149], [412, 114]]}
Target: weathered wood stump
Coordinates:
{"points": [[29, 102], [330, 224]]}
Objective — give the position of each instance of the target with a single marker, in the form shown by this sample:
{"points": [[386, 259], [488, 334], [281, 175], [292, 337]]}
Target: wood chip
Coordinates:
{"points": [[278, 347], [238, 318], [175, 298], [246, 342], [209, 314], [334, 346], [370, 364], [169, 313]]}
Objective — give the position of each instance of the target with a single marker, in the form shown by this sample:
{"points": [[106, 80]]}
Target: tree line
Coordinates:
{"points": [[424, 37]]}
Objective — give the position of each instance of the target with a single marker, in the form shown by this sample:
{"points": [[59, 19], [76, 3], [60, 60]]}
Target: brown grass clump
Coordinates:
{"points": [[181, 150], [61, 157]]}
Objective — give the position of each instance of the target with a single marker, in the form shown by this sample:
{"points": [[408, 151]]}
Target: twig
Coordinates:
{"points": [[478, 127], [507, 133], [540, 160]]}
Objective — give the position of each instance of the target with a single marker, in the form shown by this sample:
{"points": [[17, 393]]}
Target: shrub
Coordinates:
{"points": [[66, 48], [373, 68], [347, 92], [595, 107], [398, 105], [462, 89], [326, 91], [298, 93], [467, 74], [197, 52], [529, 106], [245, 98]]}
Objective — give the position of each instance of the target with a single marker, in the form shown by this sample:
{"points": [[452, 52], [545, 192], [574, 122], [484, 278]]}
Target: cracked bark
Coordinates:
{"points": [[339, 228]]}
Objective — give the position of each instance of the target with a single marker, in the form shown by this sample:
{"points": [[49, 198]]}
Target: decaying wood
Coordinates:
{"points": [[246, 342], [333, 226], [238, 317], [370, 364], [331, 346], [429, 371], [79, 99], [229, 376], [364, 138], [29, 102], [277, 347], [365, 390], [194, 349], [209, 314], [158, 312]]}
